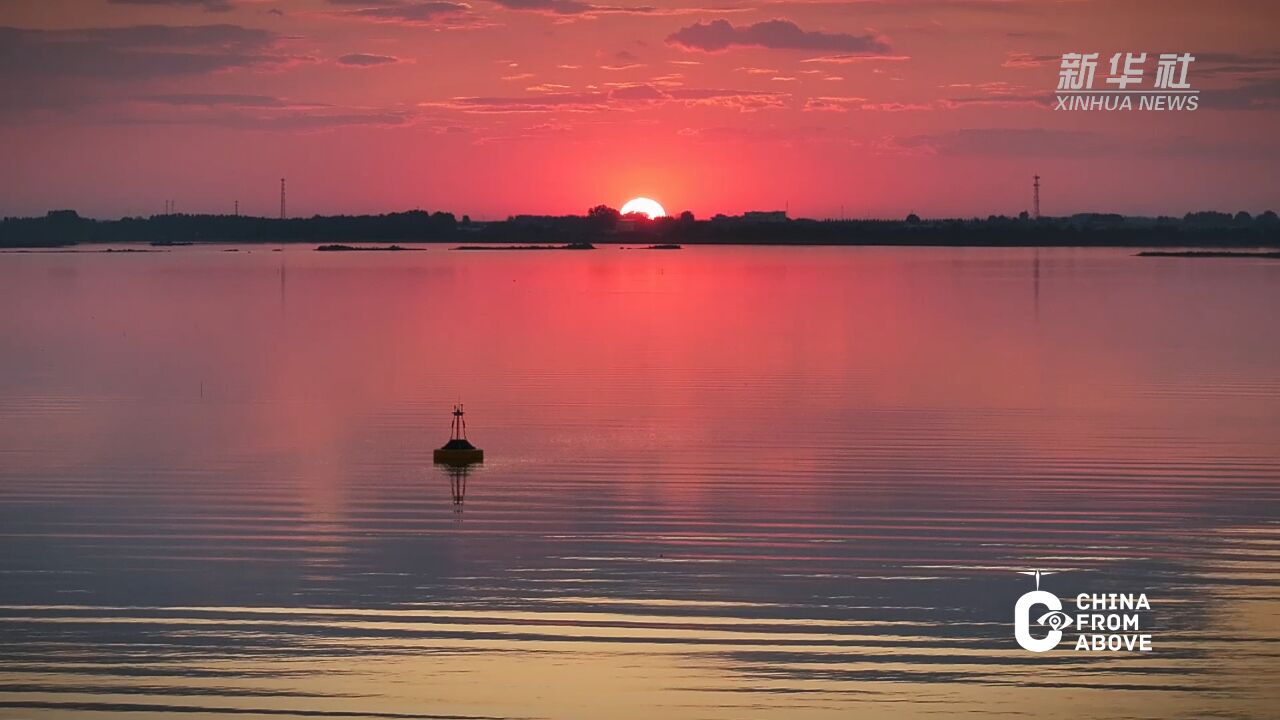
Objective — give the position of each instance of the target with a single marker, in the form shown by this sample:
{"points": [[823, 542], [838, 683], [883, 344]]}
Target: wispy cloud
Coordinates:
{"points": [[850, 59], [1026, 61], [142, 51], [546, 102], [223, 99], [246, 112], [438, 13], [619, 97], [742, 100], [1015, 142], [719, 35], [1236, 65], [207, 5], [1252, 94], [833, 104], [578, 8], [553, 7], [364, 60]]}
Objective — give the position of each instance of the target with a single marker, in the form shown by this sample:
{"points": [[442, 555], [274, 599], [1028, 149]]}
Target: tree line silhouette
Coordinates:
{"points": [[604, 224]]}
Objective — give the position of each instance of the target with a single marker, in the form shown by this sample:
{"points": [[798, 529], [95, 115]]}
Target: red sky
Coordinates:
{"points": [[497, 107]]}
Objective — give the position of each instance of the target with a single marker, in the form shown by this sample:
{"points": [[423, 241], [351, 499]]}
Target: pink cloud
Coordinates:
{"points": [[777, 34], [365, 60]]}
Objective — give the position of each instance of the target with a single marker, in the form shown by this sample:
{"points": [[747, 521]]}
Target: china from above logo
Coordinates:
{"points": [[1106, 622], [1169, 90]]}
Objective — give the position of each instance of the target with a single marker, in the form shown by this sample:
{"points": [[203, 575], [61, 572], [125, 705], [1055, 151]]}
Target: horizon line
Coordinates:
{"points": [[788, 216]]}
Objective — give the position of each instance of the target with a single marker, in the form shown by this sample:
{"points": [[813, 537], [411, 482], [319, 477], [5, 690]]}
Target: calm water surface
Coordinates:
{"points": [[720, 482]]}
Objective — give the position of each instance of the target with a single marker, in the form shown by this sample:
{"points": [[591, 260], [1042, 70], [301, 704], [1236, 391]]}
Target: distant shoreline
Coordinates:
{"points": [[1208, 230], [1208, 254], [1192, 249]]}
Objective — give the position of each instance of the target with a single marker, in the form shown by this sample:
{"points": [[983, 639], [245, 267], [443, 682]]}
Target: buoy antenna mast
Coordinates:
{"points": [[458, 429]]}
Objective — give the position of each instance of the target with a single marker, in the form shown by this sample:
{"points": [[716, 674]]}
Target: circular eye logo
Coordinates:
{"points": [[1056, 620]]}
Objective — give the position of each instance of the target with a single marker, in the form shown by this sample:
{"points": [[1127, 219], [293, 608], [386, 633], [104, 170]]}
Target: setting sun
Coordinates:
{"points": [[644, 206]]}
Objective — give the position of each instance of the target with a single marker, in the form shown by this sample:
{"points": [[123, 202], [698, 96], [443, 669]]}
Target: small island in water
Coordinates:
{"points": [[570, 246], [357, 248]]}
